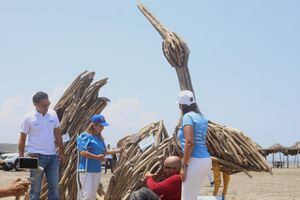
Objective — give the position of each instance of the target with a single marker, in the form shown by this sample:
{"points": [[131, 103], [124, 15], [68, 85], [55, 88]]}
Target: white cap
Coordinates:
{"points": [[186, 97]]}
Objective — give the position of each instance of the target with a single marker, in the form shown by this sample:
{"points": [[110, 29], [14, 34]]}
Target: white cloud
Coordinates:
{"points": [[10, 106], [55, 95], [11, 113], [13, 109], [126, 116]]}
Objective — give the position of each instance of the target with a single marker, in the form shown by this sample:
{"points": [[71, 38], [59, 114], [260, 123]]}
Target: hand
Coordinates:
{"points": [[101, 157], [21, 154], [160, 174], [148, 174], [183, 172], [62, 158], [18, 187]]}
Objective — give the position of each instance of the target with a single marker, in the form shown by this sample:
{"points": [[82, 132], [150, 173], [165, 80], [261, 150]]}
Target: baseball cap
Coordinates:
{"points": [[186, 97], [99, 119]]}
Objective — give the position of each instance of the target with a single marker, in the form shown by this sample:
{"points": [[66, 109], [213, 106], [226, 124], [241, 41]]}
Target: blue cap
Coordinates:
{"points": [[99, 119]]}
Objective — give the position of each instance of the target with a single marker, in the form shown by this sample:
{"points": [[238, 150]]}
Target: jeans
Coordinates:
{"points": [[50, 163]]}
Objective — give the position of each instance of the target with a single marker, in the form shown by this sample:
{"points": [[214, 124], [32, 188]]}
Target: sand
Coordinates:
{"points": [[284, 184]]}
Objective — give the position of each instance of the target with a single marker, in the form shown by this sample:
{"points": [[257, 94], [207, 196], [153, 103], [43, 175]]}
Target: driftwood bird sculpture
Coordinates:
{"points": [[231, 150]]}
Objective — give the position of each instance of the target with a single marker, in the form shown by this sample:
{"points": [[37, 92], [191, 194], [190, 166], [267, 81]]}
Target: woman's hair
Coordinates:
{"points": [[193, 107], [90, 129]]}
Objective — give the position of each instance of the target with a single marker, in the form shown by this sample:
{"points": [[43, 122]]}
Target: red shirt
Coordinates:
{"points": [[168, 189]]}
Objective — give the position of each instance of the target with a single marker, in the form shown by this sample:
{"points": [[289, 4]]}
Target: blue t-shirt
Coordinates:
{"points": [[92, 144], [199, 124]]}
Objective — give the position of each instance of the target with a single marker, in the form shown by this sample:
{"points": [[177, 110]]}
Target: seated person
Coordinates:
{"points": [[170, 186]]}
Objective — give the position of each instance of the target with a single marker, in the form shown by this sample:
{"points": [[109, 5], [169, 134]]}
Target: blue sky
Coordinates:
{"points": [[244, 61]]}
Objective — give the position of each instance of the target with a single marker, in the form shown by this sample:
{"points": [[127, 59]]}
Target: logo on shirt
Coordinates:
{"points": [[51, 121], [36, 124]]}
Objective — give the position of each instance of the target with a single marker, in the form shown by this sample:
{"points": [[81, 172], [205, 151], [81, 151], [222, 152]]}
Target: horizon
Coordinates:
{"points": [[244, 62]]}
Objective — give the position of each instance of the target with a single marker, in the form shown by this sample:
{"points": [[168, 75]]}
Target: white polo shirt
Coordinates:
{"points": [[40, 132]]}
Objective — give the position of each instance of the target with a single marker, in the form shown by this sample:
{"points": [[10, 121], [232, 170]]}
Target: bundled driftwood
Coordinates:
{"points": [[134, 163], [230, 148], [78, 103], [233, 150]]}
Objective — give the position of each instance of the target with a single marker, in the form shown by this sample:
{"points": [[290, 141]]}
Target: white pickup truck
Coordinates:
{"points": [[9, 161]]}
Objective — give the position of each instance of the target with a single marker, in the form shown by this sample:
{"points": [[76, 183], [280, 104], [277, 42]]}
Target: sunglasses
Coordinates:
{"points": [[167, 167], [45, 105], [98, 125]]}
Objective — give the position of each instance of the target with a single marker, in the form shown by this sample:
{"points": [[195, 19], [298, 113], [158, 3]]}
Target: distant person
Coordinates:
{"points": [[108, 161], [114, 161], [41, 126], [17, 188], [169, 188], [192, 135], [92, 151]]}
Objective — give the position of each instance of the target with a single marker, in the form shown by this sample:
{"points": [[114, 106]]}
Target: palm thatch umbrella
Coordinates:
{"points": [[276, 148], [294, 150]]}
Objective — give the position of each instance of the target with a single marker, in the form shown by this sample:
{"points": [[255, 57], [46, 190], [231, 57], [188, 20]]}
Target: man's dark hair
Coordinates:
{"points": [[192, 107], [143, 194], [39, 96]]}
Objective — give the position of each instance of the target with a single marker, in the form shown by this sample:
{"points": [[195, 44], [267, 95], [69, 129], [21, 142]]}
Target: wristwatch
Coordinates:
{"points": [[184, 165]]}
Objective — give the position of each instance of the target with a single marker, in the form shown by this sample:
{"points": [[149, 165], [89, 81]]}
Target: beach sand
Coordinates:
{"points": [[284, 184]]}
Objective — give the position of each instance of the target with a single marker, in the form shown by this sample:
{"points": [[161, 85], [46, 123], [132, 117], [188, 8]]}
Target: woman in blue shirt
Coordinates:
{"points": [[196, 162], [92, 150]]}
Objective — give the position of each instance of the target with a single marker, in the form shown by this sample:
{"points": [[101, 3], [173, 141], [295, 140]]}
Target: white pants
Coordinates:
{"points": [[197, 170], [90, 182]]}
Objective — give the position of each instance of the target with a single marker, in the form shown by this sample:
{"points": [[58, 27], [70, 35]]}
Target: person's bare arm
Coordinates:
{"points": [[188, 149], [59, 143], [189, 143], [111, 152], [92, 156], [58, 140], [21, 144]]}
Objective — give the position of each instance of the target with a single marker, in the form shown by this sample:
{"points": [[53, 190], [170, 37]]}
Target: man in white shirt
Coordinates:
{"points": [[41, 126]]}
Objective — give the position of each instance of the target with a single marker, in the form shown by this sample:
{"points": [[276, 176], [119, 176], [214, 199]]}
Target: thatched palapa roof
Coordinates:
{"points": [[275, 148], [294, 149]]}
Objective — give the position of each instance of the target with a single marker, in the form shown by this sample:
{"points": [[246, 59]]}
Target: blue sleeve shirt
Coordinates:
{"points": [[199, 124], [94, 145]]}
